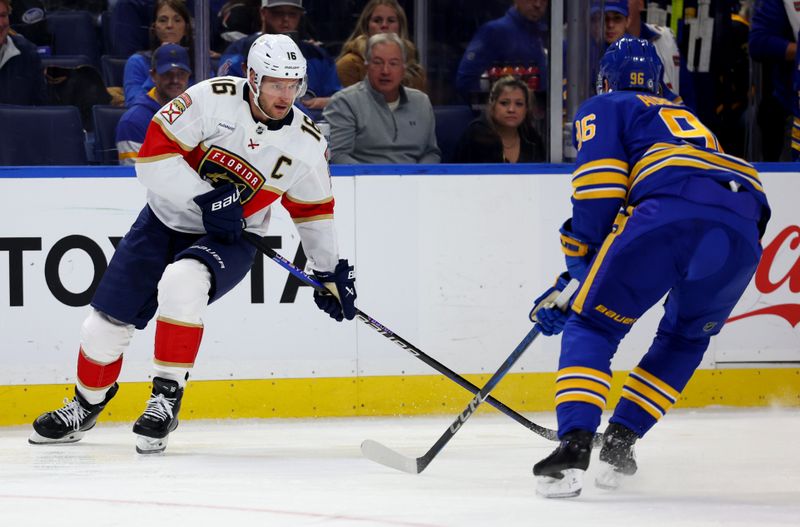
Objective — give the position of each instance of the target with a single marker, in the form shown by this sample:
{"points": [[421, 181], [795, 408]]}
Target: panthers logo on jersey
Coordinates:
{"points": [[221, 166]]}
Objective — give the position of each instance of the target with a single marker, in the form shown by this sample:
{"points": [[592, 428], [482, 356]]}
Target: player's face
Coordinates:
{"points": [[510, 108], [283, 19], [169, 26], [615, 26], [384, 20], [172, 83], [386, 69], [277, 95], [4, 22], [531, 9]]}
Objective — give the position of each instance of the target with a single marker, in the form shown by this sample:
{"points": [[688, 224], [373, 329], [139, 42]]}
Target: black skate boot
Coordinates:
{"points": [[159, 418], [617, 457], [561, 473], [70, 423]]}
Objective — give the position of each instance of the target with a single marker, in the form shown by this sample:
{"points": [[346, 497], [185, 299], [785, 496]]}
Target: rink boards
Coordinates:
{"points": [[448, 257]]}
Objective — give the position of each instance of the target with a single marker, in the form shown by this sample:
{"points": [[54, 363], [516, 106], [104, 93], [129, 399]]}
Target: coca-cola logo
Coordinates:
{"points": [[768, 279]]}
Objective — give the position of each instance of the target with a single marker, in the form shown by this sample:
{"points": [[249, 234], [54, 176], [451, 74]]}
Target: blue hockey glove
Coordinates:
{"points": [[550, 318], [339, 301], [222, 212], [577, 253]]}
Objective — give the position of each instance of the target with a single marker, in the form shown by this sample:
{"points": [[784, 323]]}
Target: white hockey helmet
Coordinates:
{"points": [[276, 56]]}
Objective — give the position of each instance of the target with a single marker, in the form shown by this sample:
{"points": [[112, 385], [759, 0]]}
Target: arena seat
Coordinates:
{"points": [[451, 121], [113, 69], [74, 33], [105, 119], [42, 135]]}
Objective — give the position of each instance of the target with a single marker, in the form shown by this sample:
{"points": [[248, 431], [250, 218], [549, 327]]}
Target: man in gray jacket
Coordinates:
{"points": [[378, 120]]}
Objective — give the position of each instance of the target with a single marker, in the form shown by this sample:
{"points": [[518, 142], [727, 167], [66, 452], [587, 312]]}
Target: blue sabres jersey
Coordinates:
{"points": [[633, 145]]}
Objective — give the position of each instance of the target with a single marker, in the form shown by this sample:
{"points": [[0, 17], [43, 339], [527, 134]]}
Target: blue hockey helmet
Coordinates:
{"points": [[630, 64]]}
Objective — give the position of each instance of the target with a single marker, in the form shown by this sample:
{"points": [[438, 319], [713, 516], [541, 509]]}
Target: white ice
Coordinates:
{"points": [[696, 468]]}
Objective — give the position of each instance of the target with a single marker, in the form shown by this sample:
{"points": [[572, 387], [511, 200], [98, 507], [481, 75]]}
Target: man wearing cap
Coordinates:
{"points": [[283, 17], [170, 73]]}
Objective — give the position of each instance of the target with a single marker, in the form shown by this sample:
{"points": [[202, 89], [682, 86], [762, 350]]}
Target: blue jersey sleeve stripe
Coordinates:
{"points": [[595, 178], [606, 164]]}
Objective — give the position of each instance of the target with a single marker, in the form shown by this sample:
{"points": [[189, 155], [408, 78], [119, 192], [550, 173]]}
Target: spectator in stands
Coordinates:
{"points": [[772, 42], [378, 16], [21, 72], [379, 120], [283, 17], [516, 39], [170, 72], [503, 133], [171, 24], [130, 22]]}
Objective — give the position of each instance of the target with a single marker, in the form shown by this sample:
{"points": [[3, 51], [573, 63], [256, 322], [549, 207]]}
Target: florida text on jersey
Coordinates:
{"points": [[632, 145], [207, 136]]}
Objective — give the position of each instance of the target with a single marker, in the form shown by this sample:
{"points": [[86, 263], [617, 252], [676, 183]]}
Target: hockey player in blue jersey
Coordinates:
{"points": [[657, 208]]}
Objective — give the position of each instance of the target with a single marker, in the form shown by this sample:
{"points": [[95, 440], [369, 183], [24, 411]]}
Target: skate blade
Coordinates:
{"points": [[37, 439], [608, 478], [567, 487], [150, 445]]}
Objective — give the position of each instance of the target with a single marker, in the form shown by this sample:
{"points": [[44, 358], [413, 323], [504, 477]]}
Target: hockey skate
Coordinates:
{"points": [[617, 458], [159, 418], [560, 475], [69, 423]]}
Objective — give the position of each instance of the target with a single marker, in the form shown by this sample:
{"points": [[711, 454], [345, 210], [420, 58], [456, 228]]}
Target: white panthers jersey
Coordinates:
{"points": [[207, 136]]}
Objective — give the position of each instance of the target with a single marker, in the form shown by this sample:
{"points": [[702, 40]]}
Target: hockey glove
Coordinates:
{"points": [[339, 300], [577, 253], [550, 318], [222, 213]]}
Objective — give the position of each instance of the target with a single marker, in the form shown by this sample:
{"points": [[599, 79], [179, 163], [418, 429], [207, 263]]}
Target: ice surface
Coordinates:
{"points": [[696, 468]]}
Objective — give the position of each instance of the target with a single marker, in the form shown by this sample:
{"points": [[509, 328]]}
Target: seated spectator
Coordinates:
{"points": [[21, 72], [503, 133], [171, 24], [283, 17], [516, 39], [170, 73], [379, 16], [379, 120], [131, 21]]}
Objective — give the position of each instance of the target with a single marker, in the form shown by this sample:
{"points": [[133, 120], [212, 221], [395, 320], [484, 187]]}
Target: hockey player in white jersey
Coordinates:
{"points": [[213, 161]]}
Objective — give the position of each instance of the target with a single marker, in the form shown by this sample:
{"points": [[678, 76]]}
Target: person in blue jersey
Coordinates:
{"points": [[657, 209], [170, 72]]}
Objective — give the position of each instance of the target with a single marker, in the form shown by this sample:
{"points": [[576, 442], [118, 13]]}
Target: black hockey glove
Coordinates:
{"points": [[222, 212], [339, 301]]}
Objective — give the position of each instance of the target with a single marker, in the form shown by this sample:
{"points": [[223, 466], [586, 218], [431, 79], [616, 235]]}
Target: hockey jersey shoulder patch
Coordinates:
{"points": [[176, 107]]}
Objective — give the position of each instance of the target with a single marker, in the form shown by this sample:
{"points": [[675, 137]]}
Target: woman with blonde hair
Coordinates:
{"points": [[378, 16], [503, 134]]}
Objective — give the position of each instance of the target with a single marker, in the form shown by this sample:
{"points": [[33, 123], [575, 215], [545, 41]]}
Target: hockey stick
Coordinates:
{"points": [[259, 244], [386, 456]]}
